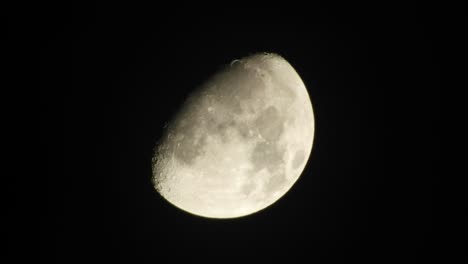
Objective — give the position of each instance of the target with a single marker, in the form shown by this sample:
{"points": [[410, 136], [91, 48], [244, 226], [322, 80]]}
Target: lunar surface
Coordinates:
{"points": [[239, 142]]}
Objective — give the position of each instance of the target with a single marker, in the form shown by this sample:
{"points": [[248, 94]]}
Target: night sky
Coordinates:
{"points": [[111, 75]]}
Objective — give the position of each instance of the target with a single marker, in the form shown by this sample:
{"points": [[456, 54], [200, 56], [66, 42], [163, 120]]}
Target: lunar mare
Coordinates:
{"points": [[239, 142]]}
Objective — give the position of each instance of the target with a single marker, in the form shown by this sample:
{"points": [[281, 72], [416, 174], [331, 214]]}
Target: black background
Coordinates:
{"points": [[111, 75]]}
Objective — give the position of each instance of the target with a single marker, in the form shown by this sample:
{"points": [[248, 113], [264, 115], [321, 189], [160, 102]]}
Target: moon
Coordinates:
{"points": [[239, 142]]}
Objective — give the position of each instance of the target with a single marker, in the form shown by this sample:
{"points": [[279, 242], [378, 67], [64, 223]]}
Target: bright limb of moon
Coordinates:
{"points": [[239, 142]]}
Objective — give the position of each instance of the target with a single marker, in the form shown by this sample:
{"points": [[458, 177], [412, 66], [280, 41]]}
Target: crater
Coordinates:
{"points": [[187, 150], [185, 141], [244, 131]]}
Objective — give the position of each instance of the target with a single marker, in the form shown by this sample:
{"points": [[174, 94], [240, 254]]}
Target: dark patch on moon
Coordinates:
{"points": [[298, 159], [266, 155], [270, 124], [222, 129], [238, 85], [248, 187], [275, 183], [243, 130], [239, 82], [269, 156], [287, 93], [283, 87], [188, 147], [209, 122]]}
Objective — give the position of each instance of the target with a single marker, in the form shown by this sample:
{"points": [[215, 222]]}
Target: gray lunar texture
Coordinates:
{"points": [[239, 142]]}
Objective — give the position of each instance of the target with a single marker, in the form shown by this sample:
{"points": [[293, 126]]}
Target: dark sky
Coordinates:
{"points": [[111, 75]]}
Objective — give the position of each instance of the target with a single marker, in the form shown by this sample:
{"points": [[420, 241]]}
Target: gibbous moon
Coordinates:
{"points": [[239, 142]]}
